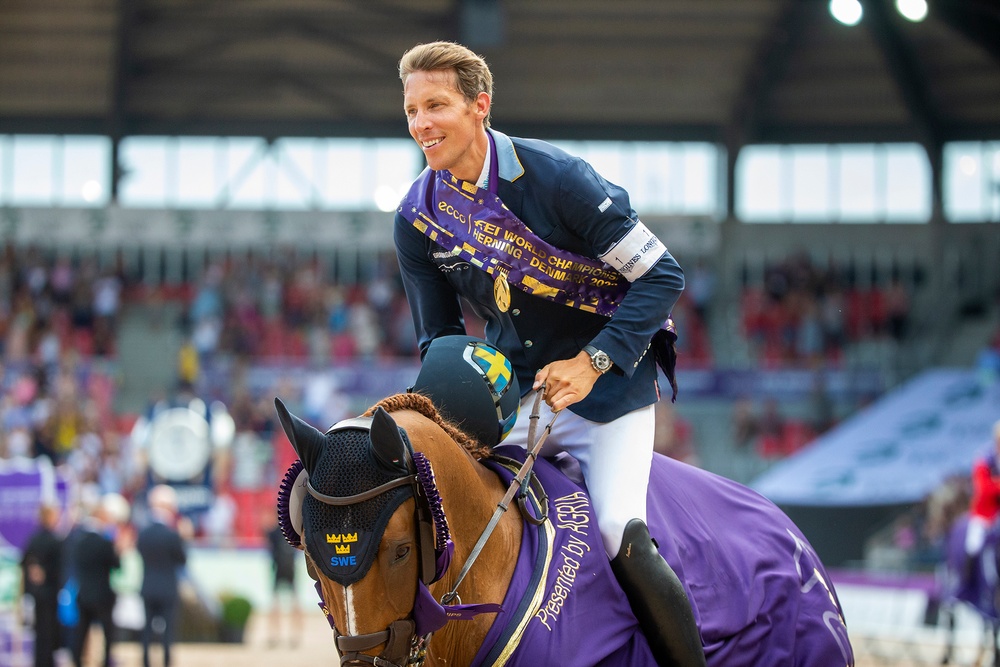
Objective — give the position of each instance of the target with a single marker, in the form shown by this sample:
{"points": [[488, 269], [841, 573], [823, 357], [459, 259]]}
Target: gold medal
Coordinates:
{"points": [[501, 292]]}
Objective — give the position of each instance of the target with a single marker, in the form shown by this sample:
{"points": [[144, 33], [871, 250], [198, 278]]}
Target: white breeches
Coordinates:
{"points": [[614, 459], [975, 534]]}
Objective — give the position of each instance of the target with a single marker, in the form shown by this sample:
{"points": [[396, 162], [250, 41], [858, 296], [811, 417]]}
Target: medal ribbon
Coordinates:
{"points": [[472, 223]]}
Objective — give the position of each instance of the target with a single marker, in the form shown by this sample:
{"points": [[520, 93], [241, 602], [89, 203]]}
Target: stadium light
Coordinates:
{"points": [[848, 12], [913, 10]]}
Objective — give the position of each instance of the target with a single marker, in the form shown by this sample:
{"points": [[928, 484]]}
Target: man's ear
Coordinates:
{"points": [[483, 103]]}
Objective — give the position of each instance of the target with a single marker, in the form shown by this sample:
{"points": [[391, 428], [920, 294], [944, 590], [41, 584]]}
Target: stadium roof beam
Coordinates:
{"points": [[902, 65], [121, 78], [766, 68]]}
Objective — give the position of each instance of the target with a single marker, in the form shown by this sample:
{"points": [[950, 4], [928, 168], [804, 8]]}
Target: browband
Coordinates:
{"points": [[341, 501]]}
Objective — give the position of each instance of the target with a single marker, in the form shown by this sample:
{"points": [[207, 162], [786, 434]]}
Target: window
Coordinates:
{"points": [[833, 183], [972, 181]]}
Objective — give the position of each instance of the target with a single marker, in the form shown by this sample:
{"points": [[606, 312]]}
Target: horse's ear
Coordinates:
{"points": [[387, 443], [306, 439]]}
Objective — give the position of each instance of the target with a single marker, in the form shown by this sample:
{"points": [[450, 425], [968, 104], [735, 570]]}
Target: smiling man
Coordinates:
{"points": [[575, 291]]}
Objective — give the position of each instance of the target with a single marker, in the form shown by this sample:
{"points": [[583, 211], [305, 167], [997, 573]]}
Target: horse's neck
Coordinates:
{"points": [[489, 576], [470, 493]]}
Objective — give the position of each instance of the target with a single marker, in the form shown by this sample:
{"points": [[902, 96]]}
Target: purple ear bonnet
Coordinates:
{"points": [[341, 531], [343, 541]]}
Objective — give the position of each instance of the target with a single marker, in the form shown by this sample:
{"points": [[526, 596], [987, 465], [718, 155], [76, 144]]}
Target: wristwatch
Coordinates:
{"points": [[598, 359]]}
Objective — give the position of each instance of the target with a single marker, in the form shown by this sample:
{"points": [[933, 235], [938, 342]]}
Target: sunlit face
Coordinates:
{"points": [[447, 127]]}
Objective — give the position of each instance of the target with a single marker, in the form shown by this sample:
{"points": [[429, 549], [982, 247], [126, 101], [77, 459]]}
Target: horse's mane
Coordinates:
{"points": [[421, 404]]}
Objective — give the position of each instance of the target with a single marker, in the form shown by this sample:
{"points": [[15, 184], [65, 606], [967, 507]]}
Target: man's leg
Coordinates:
{"points": [[169, 612], [86, 618], [617, 473], [107, 622], [975, 538], [147, 629], [658, 599]]}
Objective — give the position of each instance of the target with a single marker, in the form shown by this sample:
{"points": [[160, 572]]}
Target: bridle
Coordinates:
{"points": [[406, 640]]}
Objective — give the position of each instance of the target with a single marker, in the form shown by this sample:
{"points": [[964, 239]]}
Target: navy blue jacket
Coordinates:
{"points": [[163, 554], [560, 198]]}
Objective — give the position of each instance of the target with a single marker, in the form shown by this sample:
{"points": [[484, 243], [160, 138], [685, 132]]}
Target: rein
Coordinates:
{"points": [[516, 486], [401, 637]]}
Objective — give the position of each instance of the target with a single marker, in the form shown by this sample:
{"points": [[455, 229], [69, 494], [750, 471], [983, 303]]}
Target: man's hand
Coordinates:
{"points": [[567, 382]]}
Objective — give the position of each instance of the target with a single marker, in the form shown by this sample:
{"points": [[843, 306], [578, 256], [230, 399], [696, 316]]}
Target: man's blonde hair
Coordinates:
{"points": [[472, 74]]}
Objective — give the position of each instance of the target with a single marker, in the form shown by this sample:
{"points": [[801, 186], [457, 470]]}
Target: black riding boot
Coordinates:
{"points": [[658, 599]]}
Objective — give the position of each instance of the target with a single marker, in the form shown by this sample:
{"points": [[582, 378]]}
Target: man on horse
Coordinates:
{"points": [[587, 318], [984, 506]]}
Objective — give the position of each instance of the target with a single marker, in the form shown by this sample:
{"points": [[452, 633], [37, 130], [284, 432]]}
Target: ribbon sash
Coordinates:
{"points": [[472, 223]]}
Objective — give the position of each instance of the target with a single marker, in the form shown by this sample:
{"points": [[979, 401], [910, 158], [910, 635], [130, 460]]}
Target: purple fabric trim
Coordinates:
{"points": [[323, 607], [444, 548], [284, 507], [430, 616]]}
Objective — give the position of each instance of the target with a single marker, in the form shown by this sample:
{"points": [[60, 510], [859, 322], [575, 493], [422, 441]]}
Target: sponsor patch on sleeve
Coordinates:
{"points": [[635, 253]]}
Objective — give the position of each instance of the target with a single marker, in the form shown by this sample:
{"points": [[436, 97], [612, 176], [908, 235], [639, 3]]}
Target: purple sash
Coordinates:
{"points": [[472, 223]]}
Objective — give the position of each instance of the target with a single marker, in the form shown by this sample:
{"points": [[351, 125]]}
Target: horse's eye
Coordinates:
{"points": [[402, 551]]}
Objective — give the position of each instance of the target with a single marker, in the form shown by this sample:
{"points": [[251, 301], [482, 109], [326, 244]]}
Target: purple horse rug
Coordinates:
{"points": [[978, 586], [761, 597]]}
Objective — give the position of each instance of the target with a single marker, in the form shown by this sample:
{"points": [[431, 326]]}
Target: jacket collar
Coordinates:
{"points": [[508, 166]]}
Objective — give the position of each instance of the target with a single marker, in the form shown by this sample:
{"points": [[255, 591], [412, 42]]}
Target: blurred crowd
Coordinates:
{"points": [[806, 314], [59, 321], [287, 308]]}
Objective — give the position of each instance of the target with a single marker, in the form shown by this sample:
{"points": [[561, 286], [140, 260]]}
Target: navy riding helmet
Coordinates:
{"points": [[472, 384]]}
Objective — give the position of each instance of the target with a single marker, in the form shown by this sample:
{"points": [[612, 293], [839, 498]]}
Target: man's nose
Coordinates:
{"points": [[421, 120]]}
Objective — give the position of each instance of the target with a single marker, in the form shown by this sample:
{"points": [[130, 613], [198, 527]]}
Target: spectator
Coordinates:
{"points": [[94, 557], [701, 289], [161, 547], [283, 563], [672, 436], [745, 426], [984, 507], [41, 566], [897, 307]]}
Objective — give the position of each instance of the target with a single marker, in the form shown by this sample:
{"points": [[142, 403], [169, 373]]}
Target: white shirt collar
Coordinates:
{"points": [[484, 176]]}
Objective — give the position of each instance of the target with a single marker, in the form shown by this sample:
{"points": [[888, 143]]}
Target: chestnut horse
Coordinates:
{"points": [[398, 509]]}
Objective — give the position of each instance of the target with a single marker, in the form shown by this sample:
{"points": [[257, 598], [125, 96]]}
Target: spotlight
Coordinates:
{"points": [[848, 12], [913, 10], [91, 191], [386, 198]]}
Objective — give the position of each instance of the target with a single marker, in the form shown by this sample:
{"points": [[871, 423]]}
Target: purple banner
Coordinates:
{"points": [[24, 485], [368, 382]]}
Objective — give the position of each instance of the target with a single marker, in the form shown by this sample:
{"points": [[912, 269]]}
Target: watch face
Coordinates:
{"points": [[601, 361], [179, 446]]}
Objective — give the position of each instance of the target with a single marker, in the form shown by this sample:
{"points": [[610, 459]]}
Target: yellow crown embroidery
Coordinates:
{"points": [[332, 539], [351, 537], [343, 548]]}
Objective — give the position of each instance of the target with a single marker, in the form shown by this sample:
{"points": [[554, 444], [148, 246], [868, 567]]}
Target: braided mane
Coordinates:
{"points": [[420, 403]]}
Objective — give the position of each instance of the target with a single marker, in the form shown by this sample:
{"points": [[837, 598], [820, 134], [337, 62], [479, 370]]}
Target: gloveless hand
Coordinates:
{"points": [[567, 382]]}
